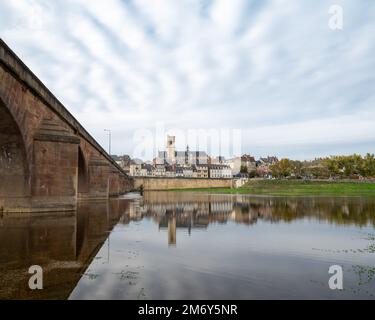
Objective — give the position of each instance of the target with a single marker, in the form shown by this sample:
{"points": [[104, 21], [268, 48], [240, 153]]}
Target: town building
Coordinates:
{"points": [[248, 162], [188, 172], [217, 160], [269, 160], [135, 169], [264, 166], [197, 164], [170, 171], [140, 170], [234, 164], [159, 170], [220, 171], [179, 172], [202, 170]]}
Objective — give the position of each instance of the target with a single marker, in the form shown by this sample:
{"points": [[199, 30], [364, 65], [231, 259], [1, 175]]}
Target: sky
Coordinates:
{"points": [[270, 77]]}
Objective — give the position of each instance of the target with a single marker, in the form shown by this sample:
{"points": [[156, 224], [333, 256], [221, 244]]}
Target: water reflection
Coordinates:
{"points": [[63, 245], [189, 211], [186, 245]]}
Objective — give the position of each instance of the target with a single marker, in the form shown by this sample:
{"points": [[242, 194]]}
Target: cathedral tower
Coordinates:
{"points": [[171, 149]]}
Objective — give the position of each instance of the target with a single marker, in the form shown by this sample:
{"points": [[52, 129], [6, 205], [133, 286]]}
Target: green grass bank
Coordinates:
{"points": [[297, 188]]}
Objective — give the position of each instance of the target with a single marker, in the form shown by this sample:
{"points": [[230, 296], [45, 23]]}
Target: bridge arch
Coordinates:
{"points": [[14, 166]]}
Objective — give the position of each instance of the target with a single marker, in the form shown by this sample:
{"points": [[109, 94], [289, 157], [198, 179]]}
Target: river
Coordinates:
{"points": [[185, 245]]}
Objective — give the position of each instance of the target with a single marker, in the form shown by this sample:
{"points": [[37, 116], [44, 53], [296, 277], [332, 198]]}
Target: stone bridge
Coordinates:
{"points": [[47, 159]]}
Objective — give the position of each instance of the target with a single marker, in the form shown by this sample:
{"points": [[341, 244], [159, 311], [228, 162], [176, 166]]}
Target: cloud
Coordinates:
{"points": [[271, 68]]}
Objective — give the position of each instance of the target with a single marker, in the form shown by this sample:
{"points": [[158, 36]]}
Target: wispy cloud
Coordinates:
{"points": [[271, 68]]}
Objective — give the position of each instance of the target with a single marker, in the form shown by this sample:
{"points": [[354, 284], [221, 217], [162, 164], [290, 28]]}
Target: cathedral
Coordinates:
{"points": [[181, 158]]}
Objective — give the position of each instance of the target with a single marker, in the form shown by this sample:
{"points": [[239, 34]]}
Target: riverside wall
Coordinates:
{"points": [[165, 183]]}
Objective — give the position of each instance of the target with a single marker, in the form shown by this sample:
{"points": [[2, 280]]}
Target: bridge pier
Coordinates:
{"points": [[98, 173], [124, 185], [54, 178], [114, 183]]}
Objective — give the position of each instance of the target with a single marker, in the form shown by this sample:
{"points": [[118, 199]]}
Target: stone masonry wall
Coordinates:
{"points": [[156, 183]]}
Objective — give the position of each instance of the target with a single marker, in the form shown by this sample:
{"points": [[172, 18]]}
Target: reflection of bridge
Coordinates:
{"points": [[47, 159], [63, 245]]}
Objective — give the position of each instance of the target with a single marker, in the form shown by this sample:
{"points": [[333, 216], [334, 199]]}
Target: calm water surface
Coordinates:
{"points": [[168, 245]]}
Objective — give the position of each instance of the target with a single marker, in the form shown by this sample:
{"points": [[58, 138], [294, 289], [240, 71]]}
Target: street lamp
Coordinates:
{"points": [[109, 140]]}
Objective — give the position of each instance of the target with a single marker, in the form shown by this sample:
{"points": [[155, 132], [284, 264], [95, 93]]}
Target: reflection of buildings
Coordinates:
{"points": [[196, 211], [187, 214]]}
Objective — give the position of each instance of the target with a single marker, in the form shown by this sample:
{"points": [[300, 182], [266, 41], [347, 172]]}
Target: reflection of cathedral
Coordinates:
{"points": [[171, 231], [188, 214], [181, 221]]}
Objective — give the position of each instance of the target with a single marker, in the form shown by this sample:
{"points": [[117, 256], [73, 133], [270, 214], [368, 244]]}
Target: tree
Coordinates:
{"points": [[368, 168], [351, 166], [243, 169], [283, 168], [297, 168]]}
